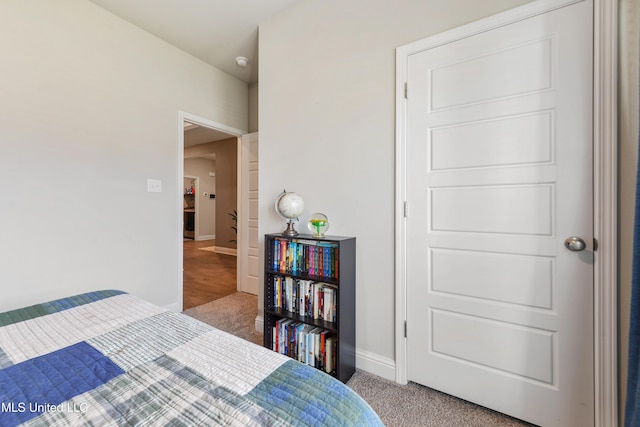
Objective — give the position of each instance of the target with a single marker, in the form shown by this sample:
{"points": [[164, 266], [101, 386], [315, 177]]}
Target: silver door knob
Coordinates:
{"points": [[575, 244]]}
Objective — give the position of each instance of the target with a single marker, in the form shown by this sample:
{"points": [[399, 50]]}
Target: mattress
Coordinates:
{"points": [[109, 358]]}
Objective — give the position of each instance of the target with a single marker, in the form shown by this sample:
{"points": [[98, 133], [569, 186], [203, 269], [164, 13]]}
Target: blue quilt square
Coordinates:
{"points": [[30, 387]]}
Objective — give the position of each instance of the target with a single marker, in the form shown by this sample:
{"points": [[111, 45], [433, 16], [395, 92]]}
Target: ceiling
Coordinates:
{"points": [[215, 31], [196, 135]]}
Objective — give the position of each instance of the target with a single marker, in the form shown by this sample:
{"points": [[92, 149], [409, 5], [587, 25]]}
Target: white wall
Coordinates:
{"points": [[88, 112], [253, 108], [326, 102]]}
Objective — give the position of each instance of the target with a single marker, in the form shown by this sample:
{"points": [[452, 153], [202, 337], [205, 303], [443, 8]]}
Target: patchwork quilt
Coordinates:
{"points": [[107, 358]]}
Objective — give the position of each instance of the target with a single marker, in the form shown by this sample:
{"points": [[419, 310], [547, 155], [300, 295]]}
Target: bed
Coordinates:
{"points": [[109, 358]]}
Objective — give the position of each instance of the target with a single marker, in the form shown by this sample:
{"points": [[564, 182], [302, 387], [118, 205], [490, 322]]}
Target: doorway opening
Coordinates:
{"points": [[208, 209]]}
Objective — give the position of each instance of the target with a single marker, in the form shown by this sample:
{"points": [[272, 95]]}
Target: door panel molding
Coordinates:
{"points": [[605, 189]]}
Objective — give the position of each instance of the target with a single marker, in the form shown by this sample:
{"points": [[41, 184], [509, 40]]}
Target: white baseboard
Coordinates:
{"points": [[377, 365], [226, 251], [207, 237], [173, 307]]}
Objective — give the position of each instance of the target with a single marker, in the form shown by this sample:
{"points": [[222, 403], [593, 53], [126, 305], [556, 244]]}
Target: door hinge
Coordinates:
{"points": [[405, 328], [405, 209], [406, 90]]}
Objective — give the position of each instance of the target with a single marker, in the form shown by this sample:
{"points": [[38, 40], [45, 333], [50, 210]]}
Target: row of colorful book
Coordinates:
{"points": [[317, 300], [310, 345], [308, 257]]}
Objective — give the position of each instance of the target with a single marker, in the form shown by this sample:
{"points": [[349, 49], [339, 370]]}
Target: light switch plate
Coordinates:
{"points": [[154, 186]]}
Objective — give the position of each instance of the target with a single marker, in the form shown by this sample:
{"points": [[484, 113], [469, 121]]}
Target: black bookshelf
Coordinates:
{"points": [[342, 277]]}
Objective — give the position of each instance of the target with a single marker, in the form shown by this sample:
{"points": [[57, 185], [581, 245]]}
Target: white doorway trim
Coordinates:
{"points": [[200, 121], [605, 191], [605, 199]]}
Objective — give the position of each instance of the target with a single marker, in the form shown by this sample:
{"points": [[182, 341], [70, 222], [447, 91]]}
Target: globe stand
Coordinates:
{"points": [[290, 231]]}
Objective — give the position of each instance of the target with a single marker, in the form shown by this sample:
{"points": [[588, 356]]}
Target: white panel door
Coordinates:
{"points": [[248, 216], [498, 175]]}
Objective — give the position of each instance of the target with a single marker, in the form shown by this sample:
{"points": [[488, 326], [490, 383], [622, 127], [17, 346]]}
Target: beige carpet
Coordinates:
{"points": [[235, 314], [397, 405], [416, 405]]}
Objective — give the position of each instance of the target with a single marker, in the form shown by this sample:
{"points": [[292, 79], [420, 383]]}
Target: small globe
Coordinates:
{"points": [[289, 205]]}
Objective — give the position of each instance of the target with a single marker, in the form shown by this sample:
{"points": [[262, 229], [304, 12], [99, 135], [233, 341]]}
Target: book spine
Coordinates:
{"points": [[301, 297], [275, 254], [326, 306], [305, 251], [330, 355], [332, 266], [310, 342], [316, 303], [274, 292], [274, 338], [316, 349], [310, 300], [291, 337]]}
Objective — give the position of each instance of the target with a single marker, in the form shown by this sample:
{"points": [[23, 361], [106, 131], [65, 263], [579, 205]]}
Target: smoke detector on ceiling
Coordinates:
{"points": [[242, 62]]}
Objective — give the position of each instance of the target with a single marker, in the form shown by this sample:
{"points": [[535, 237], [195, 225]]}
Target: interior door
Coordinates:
{"points": [[248, 266], [499, 174]]}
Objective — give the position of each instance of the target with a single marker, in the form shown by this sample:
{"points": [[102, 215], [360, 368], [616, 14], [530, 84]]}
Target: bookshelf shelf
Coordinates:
{"points": [[309, 300], [330, 326], [324, 279]]}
